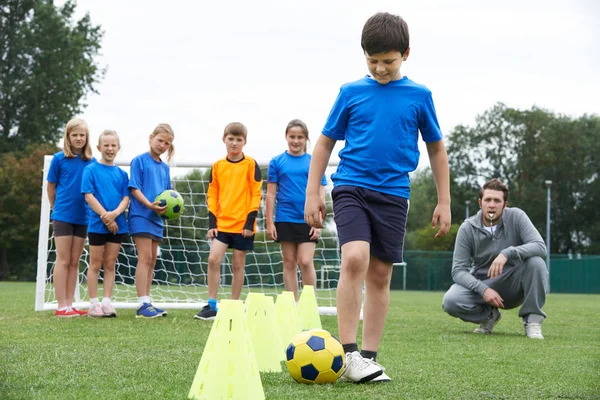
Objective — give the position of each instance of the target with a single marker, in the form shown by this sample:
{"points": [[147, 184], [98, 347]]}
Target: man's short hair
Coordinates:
{"points": [[236, 129], [385, 32], [494, 184]]}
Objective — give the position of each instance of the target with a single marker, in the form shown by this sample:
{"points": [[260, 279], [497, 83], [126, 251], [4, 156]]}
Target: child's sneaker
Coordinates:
{"points": [[161, 311], [359, 369], [109, 311], [206, 314], [66, 313], [96, 311], [146, 311], [78, 311]]}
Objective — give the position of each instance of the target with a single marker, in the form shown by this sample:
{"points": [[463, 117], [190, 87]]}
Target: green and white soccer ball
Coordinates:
{"points": [[174, 203]]}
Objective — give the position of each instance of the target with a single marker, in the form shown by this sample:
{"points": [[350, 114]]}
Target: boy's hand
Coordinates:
{"points": [[108, 217], [314, 211], [314, 233], [212, 233], [157, 208], [272, 232], [247, 233], [441, 214]]}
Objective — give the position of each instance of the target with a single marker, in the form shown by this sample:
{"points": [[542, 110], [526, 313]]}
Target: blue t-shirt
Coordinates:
{"points": [[381, 124], [290, 173], [69, 205], [108, 184], [152, 178]]}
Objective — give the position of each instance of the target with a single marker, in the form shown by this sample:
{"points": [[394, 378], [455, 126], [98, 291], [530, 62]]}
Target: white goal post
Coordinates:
{"points": [[180, 274]]}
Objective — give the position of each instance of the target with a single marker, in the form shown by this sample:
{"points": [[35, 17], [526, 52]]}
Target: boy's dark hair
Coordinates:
{"points": [[236, 129], [494, 184], [385, 32]]}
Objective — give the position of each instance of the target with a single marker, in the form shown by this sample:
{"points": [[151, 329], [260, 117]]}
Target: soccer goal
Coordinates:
{"points": [[180, 276]]}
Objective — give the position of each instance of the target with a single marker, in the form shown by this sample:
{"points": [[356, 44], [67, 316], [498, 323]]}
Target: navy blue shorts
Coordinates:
{"points": [[236, 241], [370, 216]]}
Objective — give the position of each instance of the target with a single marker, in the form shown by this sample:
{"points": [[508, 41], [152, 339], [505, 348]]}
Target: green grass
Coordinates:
{"points": [[428, 354]]}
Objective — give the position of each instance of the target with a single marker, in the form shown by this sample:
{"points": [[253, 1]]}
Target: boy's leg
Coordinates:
{"points": [[377, 299], [215, 258], [353, 269], [306, 253], [238, 264], [289, 253]]}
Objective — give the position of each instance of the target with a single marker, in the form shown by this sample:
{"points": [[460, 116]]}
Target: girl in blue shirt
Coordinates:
{"points": [[286, 188], [69, 215], [106, 191], [149, 177]]}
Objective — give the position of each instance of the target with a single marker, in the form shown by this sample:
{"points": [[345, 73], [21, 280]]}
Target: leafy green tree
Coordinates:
{"points": [[524, 148], [21, 188], [48, 67]]}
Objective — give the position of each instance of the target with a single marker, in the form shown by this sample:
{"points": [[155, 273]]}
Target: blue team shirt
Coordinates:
{"points": [[69, 205], [381, 124], [290, 173], [152, 178], [108, 184]]}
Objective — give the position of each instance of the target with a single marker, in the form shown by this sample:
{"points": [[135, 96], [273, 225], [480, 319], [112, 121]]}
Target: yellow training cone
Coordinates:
{"points": [[263, 334], [228, 368], [308, 311], [273, 324], [287, 317]]}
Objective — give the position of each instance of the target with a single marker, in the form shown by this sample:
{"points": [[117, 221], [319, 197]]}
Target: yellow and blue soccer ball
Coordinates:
{"points": [[174, 203], [314, 356]]}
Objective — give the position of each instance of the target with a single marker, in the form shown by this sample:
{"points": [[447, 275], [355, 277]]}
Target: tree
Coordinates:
{"points": [[526, 147], [48, 67], [21, 188]]}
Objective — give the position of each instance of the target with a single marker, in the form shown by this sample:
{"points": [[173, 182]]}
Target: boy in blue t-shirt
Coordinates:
{"points": [[379, 117]]}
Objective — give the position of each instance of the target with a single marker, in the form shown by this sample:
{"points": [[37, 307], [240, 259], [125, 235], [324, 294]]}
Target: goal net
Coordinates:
{"points": [[180, 275]]}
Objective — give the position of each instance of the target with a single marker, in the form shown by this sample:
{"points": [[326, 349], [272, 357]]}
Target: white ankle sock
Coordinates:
{"points": [[106, 301], [94, 300], [64, 308]]}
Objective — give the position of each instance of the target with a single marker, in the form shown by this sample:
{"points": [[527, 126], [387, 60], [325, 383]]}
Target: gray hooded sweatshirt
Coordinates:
{"points": [[476, 248]]}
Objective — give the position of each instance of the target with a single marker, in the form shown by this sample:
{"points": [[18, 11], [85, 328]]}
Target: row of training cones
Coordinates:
{"points": [[242, 344]]}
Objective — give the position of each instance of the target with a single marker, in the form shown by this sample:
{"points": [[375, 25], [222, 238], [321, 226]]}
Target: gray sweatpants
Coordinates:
{"points": [[525, 284]]}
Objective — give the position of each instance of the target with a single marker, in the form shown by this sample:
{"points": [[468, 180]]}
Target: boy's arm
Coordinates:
{"points": [[212, 197], [314, 208], [270, 210], [51, 190], [255, 180], [94, 204], [438, 159]]}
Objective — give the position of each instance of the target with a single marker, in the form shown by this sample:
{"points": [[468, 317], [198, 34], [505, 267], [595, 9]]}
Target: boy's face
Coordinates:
{"points": [[385, 67], [234, 144], [108, 147]]}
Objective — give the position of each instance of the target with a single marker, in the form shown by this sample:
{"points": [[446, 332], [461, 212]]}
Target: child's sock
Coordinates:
{"points": [[143, 299], [212, 303], [94, 300], [350, 347], [64, 308], [106, 301], [369, 354]]}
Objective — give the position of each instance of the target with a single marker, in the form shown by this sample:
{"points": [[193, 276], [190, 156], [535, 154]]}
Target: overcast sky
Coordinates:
{"points": [[199, 65]]}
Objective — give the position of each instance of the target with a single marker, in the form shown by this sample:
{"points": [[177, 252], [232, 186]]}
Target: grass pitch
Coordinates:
{"points": [[428, 354]]}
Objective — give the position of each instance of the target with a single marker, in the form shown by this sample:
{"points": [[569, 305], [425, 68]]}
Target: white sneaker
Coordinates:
{"points": [[487, 326], [95, 311], [381, 378], [533, 330], [359, 369]]}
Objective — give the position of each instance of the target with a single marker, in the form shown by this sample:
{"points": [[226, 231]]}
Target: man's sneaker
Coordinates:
{"points": [[487, 326], [533, 330], [161, 311], [109, 311], [206, 314], [96, 311], [147, 311], [66, 313], [359, 369], [78, 311]]}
